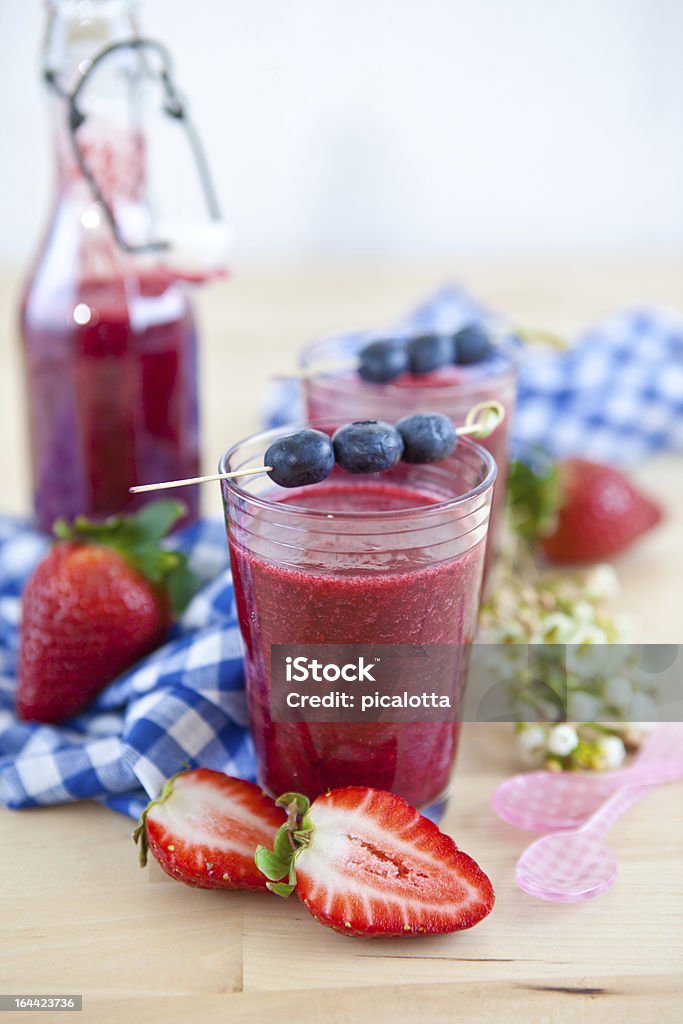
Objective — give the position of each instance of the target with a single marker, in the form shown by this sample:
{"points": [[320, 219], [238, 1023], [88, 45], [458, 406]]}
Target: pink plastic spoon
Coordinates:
{"points": [[571, 866], [555, 801]]}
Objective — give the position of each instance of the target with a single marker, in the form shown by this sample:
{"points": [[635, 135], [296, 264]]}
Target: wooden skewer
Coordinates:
{"points": [[481, 420], [317, 371], [199, 479]]}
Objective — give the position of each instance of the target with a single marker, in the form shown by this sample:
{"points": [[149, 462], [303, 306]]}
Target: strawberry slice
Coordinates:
{"points": [[364, 862], [205, 827]]}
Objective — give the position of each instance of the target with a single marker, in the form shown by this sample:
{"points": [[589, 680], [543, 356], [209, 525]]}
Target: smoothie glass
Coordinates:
{"points": [[340, 396], [390, 558]]}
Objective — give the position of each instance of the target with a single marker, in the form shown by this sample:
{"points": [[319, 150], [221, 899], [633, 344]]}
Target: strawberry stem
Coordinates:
{"points": [[140, 832], [290, 839]]}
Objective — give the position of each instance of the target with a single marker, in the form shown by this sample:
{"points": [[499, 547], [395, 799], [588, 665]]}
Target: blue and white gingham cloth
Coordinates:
{"points": [[184, 704], [617, 395]]}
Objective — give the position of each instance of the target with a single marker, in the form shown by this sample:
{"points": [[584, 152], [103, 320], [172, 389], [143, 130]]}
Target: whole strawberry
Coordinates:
{"points": [[102, 598], [577, 510], [601, 513]]}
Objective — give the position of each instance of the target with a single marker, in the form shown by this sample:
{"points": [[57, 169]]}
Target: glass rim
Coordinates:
{"points": [[489, 467], [474, 374]]}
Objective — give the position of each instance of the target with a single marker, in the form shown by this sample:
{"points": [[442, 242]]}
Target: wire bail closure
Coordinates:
{"points": [[173, 107]]}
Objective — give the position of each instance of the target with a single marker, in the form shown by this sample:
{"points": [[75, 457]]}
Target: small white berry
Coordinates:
{"points": [[562, 740], [642, 708], [619, 692], [532, 738], [584, 612], [583, 707], [612, 751], [588, 652], [588, 634], [602, 582], [556, 628]]}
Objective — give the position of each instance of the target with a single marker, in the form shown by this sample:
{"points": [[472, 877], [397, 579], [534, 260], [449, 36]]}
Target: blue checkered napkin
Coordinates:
{"points": [[615, 396], [183, 704]]}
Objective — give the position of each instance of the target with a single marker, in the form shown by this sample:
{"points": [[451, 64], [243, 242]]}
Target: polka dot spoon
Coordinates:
{"points": [[554, 801], [568, 867]]}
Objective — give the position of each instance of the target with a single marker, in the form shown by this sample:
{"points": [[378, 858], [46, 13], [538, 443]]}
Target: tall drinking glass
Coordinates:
{"points": [[393, 558]]}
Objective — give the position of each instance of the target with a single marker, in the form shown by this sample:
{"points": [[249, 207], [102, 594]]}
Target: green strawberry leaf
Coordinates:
{"points": [[136, 538], [140, 832], [302, 802], [156, 518], [140, 836], [272, 866], [534, 498], [289, 841], [283, 889], [181, 585], [283, 847]]}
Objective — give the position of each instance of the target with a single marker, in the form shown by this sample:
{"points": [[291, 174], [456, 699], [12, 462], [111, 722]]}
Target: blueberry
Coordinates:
{"points": [[381, 361], [472, 344], [368, 446], [298, 459], [429, 352], [427, 437]]}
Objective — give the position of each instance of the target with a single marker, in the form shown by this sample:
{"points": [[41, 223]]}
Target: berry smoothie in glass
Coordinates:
{"points": [[337, 393], [383, 558]]}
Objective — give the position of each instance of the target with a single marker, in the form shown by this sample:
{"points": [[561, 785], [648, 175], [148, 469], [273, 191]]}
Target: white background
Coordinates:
{"points": [[344, 127]]}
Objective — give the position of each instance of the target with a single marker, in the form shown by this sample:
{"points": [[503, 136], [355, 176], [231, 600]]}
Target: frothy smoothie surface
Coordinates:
{"points": [[365, 497]]}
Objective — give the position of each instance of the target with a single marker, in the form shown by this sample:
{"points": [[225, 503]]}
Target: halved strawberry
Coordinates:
{"points": [[364, 862], [205, 827]]}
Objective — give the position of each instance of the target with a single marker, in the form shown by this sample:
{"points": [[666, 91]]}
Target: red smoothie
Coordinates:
{"points": [[320, 579]]}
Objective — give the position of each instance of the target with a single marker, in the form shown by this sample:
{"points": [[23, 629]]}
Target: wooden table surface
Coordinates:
{"points": [[79, 916]]}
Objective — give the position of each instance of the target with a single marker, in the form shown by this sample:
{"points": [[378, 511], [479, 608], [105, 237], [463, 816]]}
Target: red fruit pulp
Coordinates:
{"points": [[317, 601], [112, 393]]}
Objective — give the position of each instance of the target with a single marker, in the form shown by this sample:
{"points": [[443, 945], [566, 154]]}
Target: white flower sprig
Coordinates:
{"points": [[564, 657]]}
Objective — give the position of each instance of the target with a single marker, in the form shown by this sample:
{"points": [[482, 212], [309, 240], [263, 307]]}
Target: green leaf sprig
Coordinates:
{"points": [[534, 498], [291, 838]]}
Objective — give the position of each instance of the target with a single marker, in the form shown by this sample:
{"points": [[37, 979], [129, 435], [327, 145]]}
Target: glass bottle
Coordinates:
{"points": [[109, 338]]}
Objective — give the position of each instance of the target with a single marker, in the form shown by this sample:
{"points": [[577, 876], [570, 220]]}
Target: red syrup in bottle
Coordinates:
{"points": [[112, 386], [109, 338]]}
